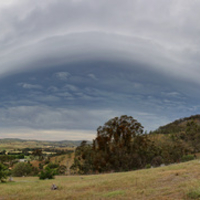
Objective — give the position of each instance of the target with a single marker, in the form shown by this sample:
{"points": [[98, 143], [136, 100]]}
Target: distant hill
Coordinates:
{"points": [[38, 143], [178, 126]]}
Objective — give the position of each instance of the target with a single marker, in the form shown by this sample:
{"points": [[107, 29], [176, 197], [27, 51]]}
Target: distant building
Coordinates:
{"points": [[23, 160]]}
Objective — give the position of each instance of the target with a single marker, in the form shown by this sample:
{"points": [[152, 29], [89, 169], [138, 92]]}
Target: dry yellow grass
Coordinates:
{"points": [[66, 159], [181, 181]]}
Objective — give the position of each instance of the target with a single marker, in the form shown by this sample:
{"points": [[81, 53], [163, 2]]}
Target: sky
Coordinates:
{"points": [[68, 66]]}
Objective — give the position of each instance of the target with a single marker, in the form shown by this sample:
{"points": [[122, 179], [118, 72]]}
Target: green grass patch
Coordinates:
{"points": [[194, 194]]}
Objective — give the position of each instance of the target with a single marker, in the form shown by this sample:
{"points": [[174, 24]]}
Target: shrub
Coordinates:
{"points": [[187, 158], [46, 174], [47, 161], [62, 169], [21, 169], [156, 161], [53, 165], [34, 171], [21, 156], [3, 172], [148, 166], [41, 166]]}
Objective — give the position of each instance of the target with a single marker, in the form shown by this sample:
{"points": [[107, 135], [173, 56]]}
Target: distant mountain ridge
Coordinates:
{"points": [[42, 142], [178, 125]]}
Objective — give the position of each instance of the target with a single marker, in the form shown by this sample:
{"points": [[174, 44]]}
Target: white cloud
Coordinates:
{"points": [[62, 75], [52, 89], [92, 76], [30, 86], [172, 94], [70, 87]]}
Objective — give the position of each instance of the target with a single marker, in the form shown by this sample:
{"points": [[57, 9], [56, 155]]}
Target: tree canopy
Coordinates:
{"points": [[120, 145]]}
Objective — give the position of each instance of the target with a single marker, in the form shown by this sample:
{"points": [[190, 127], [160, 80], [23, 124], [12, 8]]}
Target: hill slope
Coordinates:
{"points": [[178, 125], [178, 181]]}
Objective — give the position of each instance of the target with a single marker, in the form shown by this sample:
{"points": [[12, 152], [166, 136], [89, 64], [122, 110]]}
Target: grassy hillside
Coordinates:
{"points": [[180, 181], [178, 125], [66, 160]]}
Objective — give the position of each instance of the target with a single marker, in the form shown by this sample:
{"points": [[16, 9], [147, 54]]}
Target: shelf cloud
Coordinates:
{"points": [[72, 65]]}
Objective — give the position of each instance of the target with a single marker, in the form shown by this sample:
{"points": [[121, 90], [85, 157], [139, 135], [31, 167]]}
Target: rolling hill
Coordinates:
{"points": [[8, 143], [179, 125]]}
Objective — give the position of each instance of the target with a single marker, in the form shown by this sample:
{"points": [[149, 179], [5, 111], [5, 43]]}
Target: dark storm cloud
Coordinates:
{"points": [[49, 101], [85, 59], [162, 34]]}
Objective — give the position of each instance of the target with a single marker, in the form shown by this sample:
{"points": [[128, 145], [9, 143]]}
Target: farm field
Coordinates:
{"points": [[177, 181]]}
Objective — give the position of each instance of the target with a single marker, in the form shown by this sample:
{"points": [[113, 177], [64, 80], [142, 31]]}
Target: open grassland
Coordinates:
{"points": [[180, 181]]}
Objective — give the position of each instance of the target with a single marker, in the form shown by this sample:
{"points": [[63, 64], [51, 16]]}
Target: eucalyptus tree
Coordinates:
{"points": [[120, 145]]}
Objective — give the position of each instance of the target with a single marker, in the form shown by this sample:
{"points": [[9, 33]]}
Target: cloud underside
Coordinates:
{"points": [[162, 35], [65, 98]]}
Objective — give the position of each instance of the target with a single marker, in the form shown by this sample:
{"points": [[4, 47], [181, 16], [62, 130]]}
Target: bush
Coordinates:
{"points": [[3, 172], [52, 165], [34, 171], [187, 158], [148, 166], [46, 174], [157, 161], [62, 169], [21, 156], [21, 169], [41, 166]]}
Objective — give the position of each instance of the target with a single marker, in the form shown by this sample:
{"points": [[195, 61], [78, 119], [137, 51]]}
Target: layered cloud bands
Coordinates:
{"points": [[72, 65]]}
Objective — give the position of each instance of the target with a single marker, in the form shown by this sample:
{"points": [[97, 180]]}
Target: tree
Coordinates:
{"points": [[37, 152], [83, 161], [119, 144], [21, 169], [3, 172], [119, 132], [192, 135]]}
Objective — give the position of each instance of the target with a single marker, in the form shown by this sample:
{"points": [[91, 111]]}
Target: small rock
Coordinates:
{"points": [[54, 187]]}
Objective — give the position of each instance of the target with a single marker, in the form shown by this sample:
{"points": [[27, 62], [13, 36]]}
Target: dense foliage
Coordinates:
{"points": [[121, 145]]}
